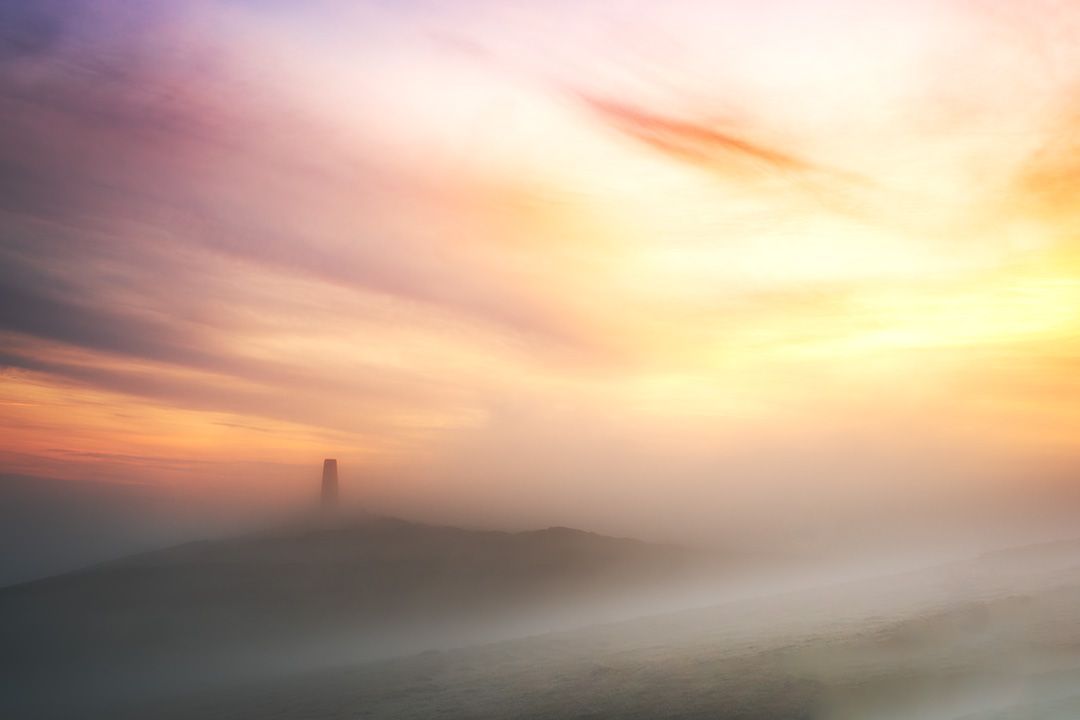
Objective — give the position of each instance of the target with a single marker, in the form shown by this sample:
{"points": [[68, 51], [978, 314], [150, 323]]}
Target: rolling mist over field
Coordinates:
{"points": [[700, 359], [376, 617]]}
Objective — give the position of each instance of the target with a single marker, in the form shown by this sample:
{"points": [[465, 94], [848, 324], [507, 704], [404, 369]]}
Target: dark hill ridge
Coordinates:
{"points": [[967, 639], [310, 591]]}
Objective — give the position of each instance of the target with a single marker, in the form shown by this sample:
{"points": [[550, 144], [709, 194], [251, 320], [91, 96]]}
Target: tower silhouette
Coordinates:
{"points": [[329, 484]]}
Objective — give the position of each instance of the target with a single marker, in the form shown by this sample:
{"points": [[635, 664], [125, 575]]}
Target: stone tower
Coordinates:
{"points": [[329, 484]]}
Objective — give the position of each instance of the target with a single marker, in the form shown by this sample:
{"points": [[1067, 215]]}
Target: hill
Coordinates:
{"points": [[307, 596], [981, 639]]}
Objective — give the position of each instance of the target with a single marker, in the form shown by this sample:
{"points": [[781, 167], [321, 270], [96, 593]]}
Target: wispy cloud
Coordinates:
{"points": [[266, 228], [694, 141]]}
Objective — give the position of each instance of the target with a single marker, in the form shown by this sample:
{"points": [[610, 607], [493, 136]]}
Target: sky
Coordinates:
{"points": [[664, 269]]}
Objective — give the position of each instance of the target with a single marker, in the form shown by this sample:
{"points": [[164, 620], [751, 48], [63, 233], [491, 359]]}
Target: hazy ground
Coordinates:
{"points": [[996, 636]]}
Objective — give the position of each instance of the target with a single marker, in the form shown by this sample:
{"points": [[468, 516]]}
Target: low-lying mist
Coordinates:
{"points": [[366, 616]]}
